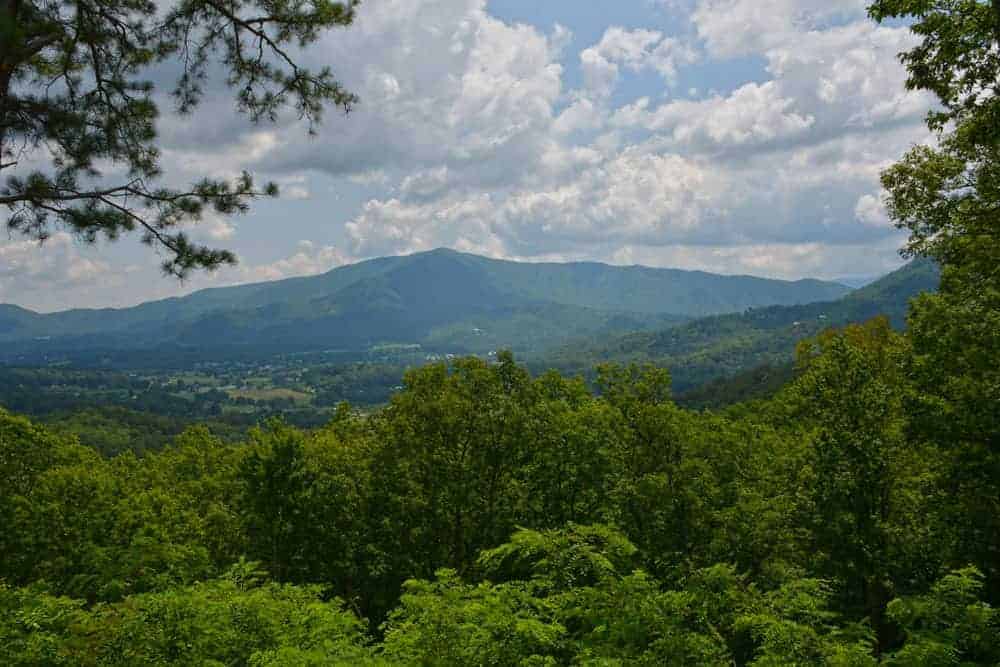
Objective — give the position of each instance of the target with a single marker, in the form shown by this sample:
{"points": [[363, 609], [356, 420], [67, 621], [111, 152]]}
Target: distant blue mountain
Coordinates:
{"points": [[719, 346], [441, 297]]}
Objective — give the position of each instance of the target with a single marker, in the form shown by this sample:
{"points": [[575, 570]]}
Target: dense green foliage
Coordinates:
{"points": [[442, 301], [488, 517], [760, 382], [948, 198]]}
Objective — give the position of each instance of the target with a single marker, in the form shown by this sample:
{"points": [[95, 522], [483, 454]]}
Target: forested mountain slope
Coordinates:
{"points": [[713, 347], [455, 301]]}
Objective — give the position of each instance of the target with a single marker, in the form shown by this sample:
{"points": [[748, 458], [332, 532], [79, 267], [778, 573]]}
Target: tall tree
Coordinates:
{"points": [[74, 95], [870, 515], [948, 197]]}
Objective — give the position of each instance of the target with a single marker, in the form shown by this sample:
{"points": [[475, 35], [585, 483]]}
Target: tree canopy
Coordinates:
{"points": [[948, 197]]}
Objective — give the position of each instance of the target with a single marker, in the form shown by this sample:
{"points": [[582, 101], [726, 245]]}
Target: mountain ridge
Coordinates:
{"points": [[709, 348], [431, 296], [255, 287]]}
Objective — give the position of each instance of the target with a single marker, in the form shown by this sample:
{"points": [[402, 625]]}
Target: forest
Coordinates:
{"points": [[487, 514]]}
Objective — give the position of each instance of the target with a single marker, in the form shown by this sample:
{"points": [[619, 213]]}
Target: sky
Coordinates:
{"points": [[733, 136]]}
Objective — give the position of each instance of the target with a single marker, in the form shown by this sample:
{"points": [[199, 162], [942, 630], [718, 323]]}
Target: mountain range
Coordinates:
{"points": [[441, 300], [721, 346]]}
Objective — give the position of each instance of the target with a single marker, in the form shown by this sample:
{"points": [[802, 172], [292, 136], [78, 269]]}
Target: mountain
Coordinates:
{"points": [[442, 299], [856, 281], [721, 346]]}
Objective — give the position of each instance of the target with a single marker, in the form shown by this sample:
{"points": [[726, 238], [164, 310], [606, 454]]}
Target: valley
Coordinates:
{"points": [[734, 356]]}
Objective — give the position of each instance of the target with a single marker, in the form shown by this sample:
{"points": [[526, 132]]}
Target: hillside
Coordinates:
{"points": [[715, 347], [442, 300]]}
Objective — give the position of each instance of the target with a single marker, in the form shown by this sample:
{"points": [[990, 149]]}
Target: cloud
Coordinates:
{"points": [[731, 28], [635, 197], [63, 273], [308, 259], [393, 226], [469, 138], [583, 114], [26, 258], [470, 135], [442, 82], [295, 186], [425, 184], [52, 275], [871, 211], [752, 114], [213, 227], [635, 50], [790, 261], [851, 74]]}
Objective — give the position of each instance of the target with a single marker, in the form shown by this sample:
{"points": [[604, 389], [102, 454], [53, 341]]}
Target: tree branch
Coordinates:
{"points": [[162, 239]]}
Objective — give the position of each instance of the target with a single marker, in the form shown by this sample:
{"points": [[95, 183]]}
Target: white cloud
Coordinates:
{"points": [[220, 159], [63, 273], [825, 83], [733, 28], [53, 275], [637, 197], [635, 50], [850, 75], [308, 259], [57, 258], [427, 183], [372, 177], [467, 130], [871, 211], [790, 261], [599, 74], [213, 227], [752, 114], [393, 226], [560, 39], [583, 114], [441, 82]]}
